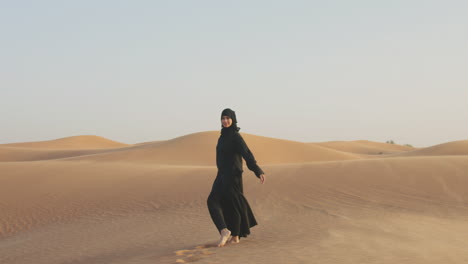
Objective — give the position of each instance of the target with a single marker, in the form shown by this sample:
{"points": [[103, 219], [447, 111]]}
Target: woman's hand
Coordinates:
{"points": [[262, 178]]}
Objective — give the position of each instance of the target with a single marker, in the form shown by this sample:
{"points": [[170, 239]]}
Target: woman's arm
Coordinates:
{"points": [[249, 157]]}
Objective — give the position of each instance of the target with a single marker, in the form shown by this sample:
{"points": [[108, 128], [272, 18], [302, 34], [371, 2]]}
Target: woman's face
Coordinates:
{"points": [[226, 121]]}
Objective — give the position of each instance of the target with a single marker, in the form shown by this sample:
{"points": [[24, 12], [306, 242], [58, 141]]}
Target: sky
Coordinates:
{"points": [[310, 71]]}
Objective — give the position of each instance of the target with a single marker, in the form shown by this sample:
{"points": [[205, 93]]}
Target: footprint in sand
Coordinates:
{"points": [[193, 255]]}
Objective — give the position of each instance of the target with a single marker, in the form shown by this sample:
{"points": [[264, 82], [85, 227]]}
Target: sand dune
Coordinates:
{"points": [[192, 149], [450, 148], [199, 149], [365, 147], [58, 148], [112, 207], [75, 142], [148, 142], [34, 154]]}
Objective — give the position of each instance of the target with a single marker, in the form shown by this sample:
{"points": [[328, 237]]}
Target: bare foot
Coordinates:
{"points": [[234, 239], [225, 233]]}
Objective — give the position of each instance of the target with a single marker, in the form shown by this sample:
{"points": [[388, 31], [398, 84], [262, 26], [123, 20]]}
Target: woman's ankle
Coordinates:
{"points": [[235, 239], [224, 231]]}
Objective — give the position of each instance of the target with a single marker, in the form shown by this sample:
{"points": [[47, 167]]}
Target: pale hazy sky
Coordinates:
{"points": [[310, 71]]}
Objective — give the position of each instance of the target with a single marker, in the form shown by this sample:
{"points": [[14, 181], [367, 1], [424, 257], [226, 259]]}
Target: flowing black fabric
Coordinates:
{"points": [[227, 205]]}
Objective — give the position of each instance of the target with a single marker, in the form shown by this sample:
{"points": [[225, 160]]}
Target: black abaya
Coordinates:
{"points": [[226, 202]]}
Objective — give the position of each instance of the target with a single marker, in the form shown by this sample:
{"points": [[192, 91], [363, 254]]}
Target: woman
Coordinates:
{"points": [[228, 207]]}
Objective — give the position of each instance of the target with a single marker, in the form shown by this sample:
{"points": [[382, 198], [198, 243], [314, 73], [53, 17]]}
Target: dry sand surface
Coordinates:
{"points": [[88, 199]]}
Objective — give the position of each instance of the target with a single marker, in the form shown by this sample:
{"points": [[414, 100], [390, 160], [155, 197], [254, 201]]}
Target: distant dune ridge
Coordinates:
{"points": [[199, 149], [58, 148], [75, 142], [88, 199], [450, 148], [365, 147]]}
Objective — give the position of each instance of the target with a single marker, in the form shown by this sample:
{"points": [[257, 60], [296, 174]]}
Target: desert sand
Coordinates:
{"points": [[88, 199]]}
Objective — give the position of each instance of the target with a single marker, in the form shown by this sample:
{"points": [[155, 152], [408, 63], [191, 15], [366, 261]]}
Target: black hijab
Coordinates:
{"points": [[233, 128]]}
